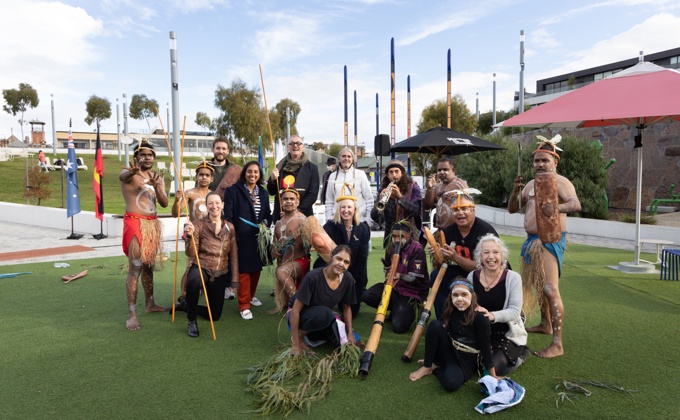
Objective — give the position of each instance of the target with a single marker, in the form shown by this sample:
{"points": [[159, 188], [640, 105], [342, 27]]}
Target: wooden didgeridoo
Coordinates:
{"points": [[424, 316], [372, 344]]}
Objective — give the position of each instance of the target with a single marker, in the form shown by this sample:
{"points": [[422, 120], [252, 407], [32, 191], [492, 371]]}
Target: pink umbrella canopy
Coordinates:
{"points": [[638, 96]]}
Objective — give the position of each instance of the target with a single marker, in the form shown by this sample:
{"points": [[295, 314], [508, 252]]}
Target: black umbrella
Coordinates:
{"points": [[444, 141]]}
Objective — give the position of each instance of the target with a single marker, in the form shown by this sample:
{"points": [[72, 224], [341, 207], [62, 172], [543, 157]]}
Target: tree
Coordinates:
{"points": [[319, 146], [19, 101], [434, 115], [203, 120], [243, 117], [280, 110], [143, 108], [37, 188], [98, 109], [335, 148]]}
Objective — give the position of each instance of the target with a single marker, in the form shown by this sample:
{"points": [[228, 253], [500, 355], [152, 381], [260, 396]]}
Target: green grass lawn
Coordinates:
{"points": [[66, 353], [13, 174]]}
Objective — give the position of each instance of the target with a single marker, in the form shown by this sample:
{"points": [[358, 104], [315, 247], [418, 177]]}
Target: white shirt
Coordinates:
{"points": [[362, 191]]}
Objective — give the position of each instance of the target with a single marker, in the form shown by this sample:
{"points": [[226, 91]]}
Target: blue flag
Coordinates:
{"points": [[73, 195], [260, 155]]}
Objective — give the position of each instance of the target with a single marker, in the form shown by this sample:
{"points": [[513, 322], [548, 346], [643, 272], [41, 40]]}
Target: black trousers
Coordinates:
{"points": [[402, 308], [215, 294], [454, 367]]}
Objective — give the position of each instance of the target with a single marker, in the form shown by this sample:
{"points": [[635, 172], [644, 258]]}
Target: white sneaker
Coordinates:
{"points": [[255, 302], [246, 314], [229, 293]]}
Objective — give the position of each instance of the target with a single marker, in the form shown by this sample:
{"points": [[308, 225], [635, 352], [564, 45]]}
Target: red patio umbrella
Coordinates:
{"points": [[639, 96]]}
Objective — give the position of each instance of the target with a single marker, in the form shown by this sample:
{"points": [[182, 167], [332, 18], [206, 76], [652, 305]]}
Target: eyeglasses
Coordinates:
{"points": [[463, 209], [295, 144]]}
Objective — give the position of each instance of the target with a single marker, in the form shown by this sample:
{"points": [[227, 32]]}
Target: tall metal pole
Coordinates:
{"points": [[174, 88], [408, 119], [392, 103], [448, 89], [493, 113], [477, 106], [521, 71], [125, 130], [287, 124], [54, 129], [377, 132], [355, 125], [118, 130]]}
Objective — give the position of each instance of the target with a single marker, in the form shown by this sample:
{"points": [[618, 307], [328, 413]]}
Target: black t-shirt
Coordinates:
{"points": [[465, 246], [314, 290]]}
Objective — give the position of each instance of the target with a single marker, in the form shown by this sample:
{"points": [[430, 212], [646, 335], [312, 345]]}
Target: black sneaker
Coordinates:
{"points": [[192, 329]]}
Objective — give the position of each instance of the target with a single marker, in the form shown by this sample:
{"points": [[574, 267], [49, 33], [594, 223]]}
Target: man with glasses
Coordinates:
{"points": [[462, 237], [439, 194], [295, 171]]}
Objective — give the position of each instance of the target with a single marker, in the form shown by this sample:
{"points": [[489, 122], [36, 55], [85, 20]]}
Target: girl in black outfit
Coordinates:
{"points": [[452, 347]]}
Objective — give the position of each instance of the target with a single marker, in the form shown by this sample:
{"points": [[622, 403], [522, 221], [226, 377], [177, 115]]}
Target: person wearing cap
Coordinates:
{"points": [[331, 166], [289, 250], [192, 199], [347, 174], [142, 188], [542, 269], [404, 202], [412, 284], [461, 237], [345, 228], [438, 193], [295, 171]]}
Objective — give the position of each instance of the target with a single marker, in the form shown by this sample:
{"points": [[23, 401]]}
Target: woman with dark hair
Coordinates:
{"points": [[499, 296], [346, 229], [212, 242], [311, 316], [452, 347], [246, 206]]}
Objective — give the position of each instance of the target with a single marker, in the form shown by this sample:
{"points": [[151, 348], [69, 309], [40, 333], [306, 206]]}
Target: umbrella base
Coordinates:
{"points": [[631, 267]]}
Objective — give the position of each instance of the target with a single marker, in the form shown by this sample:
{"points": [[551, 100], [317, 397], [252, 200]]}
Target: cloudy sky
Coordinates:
{"points": [[75, 48]]}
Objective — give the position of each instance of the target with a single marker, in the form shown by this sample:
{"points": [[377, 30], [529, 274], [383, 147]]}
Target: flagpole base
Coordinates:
{"points": [[75, 236], [99, 236]]}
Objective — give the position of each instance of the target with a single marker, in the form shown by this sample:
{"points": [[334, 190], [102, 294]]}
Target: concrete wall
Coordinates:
{"points": [[85, 222]]}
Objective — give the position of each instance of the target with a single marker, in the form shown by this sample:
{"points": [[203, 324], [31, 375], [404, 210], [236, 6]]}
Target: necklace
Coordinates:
{"points": [[349, 228], [284, 225], [489, 286]]}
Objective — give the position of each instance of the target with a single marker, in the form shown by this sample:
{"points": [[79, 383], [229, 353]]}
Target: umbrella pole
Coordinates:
{"points": [[638, 203]]}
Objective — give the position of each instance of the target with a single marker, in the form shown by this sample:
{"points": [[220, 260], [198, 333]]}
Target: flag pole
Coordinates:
{"points": [[99, 166], [73, 194]]}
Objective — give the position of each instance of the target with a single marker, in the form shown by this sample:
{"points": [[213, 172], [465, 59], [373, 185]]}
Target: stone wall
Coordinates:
{"points": [[660, 159]]}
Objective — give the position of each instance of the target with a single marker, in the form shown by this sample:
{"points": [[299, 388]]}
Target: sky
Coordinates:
{"points": [[71, 49]]}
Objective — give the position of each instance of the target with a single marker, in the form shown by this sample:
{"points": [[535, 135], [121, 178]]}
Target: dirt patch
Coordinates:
{"points": [[45, 252]]}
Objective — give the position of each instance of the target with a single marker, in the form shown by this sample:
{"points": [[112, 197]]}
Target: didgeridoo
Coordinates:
{"points": [[424, 316], [372, 344]]}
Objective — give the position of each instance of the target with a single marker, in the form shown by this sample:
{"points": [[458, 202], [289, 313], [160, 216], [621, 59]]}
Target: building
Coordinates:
{"points": [[556, 86], [193, 141]]}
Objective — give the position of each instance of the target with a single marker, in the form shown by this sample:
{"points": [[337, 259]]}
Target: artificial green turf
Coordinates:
{"points": [[66, 353]]}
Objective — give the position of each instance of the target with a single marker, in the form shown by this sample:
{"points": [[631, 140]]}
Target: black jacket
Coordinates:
{"points": [[306, 183], [361, 234]]}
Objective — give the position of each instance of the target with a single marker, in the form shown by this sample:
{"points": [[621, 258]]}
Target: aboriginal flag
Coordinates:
{"points": [[97, 186], [73, 197]]}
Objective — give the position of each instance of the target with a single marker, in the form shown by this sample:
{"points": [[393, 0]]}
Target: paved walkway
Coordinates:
{"points": [[27, 238]]}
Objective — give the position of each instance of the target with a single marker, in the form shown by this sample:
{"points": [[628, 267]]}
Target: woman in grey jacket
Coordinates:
{"points": [[499, 297]]}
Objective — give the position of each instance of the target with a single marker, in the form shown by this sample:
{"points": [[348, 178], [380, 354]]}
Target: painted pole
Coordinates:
{"points": [[493, 113], [346, 133], [408, 119], [392, 111], [448, 89], [54, 129], [477, 106], [378, 159]]}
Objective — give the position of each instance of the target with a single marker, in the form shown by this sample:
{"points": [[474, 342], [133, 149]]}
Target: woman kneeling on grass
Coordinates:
{"points": [[452, 347], [311, 318], [214, 238]]}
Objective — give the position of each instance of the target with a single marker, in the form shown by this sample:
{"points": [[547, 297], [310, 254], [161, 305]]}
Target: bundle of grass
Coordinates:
{"points": [[264, 238], [571, 389], [286, 382]]}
